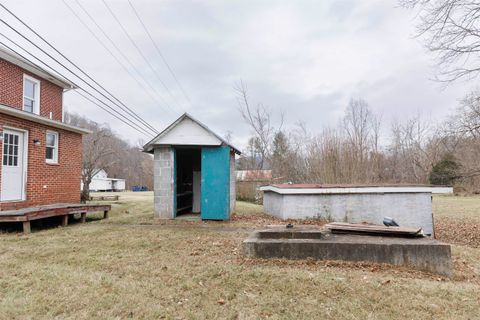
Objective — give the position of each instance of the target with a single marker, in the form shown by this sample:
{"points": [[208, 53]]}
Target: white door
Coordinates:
{"points": [[13, 166]]}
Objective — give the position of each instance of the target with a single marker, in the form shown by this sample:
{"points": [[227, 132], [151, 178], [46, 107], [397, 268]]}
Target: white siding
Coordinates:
{"points": [[101, 182], [100, 185], [119, 184], [100, 175], [188, 132]]}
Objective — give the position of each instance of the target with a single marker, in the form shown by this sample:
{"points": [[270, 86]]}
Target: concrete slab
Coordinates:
{"points": [[306, 242], [189, 217]]}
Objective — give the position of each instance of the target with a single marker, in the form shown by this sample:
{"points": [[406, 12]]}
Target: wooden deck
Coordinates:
{"points": [[62, 210]]}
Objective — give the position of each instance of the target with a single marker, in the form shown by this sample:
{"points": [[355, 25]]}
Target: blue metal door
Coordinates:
{"points": [[215, 187]]}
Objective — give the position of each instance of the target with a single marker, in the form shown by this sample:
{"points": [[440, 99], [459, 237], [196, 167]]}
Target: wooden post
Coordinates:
{"points": [[105, 214], [64, 220], [84, 217], [26, 227]]}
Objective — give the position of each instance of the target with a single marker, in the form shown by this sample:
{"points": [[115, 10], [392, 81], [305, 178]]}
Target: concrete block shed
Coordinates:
{"points": [[409, 206], [194, 171]]}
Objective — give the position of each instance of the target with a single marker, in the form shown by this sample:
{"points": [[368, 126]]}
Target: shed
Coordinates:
{"points": [[409, 205], [101, 182], [194, 171]]}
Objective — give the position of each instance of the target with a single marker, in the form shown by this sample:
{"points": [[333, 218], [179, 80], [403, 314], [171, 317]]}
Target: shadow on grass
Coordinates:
{"points": [[46, 223]]}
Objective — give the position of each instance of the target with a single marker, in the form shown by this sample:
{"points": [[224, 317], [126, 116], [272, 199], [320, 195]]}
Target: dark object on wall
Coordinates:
{"points": [[389, 222], [139, 188]]}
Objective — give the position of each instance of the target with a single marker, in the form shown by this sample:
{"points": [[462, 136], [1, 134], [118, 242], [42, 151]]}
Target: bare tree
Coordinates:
{"points": [[463, 138], [414, 149], [359, 124], [325, 161], [228, 136], [97, 148], [259, 120], [103, 149], [466, 121], [355, 151], [96, 156], [451, 29]]}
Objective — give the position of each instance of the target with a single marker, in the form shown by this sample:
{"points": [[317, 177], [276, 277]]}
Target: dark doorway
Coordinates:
{"points": [[188, 180]]}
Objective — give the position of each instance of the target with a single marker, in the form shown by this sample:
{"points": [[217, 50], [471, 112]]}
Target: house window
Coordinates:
{"points": [[10, 150], [51, 146], [31, 95]]}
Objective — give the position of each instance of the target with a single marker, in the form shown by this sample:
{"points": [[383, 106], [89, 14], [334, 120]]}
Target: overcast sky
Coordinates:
{"points": [[305, 58]]}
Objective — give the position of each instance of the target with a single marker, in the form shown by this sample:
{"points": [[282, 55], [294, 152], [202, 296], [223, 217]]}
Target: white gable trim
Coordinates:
{"points": [[187, 131]]}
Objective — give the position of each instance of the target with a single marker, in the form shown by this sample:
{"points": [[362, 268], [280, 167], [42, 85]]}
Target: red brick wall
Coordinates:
{"points": [[48, 183], [11, 91]]}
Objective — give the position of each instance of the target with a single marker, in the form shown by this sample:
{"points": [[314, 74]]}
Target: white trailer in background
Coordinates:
{"points": [[409, 206], [101, 182]]}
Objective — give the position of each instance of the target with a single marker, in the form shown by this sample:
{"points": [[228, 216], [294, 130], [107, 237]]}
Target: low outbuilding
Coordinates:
{"points": [[102, 183], [194, 171], [408, 205]]}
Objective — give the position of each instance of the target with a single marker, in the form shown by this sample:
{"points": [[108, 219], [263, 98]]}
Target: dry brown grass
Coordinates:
{"points": [[457, 219], [131, 266]]}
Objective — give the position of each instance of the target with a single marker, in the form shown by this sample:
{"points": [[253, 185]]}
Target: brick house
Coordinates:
{"points": [[41, 155]]}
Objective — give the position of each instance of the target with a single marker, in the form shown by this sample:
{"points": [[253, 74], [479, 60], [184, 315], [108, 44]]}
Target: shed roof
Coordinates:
{"points": [[351, 188], [23, 63], [254, 175], [187, 131]]}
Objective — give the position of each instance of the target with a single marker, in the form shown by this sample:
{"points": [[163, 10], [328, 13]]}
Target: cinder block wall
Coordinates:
{"points": [[273, 205], [408, 209], [163, 182]]}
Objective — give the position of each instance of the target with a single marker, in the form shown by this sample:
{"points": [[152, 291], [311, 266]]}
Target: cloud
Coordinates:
{"points": [[305, 58]]}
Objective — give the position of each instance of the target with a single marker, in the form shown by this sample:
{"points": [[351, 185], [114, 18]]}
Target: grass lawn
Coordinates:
{"points": [[132, 266]]}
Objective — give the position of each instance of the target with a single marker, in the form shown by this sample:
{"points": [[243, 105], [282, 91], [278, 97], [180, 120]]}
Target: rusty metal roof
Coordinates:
{"points": [[253, 175]]}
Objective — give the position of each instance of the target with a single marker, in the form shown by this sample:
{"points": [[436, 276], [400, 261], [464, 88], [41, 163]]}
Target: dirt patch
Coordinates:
{"points": [[464, 232], [265, 219]]}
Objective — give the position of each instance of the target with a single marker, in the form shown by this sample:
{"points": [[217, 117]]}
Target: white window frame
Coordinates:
{"points": [[55, 147], [36, 99]]}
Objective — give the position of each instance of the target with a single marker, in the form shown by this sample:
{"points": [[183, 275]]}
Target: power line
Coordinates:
{"points": [[51, 57], [140, 130], [121, 106], [96, 103], [138, 49], [114, 113], [160, 53], [116, 58]]}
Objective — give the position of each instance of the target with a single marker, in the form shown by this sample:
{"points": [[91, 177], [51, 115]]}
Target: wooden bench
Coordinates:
{"points": [[104, 198], [62, 210]]}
